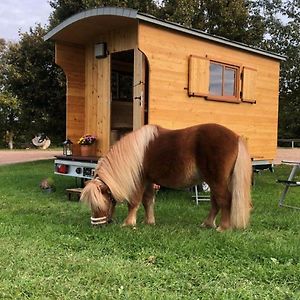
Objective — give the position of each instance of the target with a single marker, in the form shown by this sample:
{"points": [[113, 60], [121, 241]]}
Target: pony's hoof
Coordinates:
{"points": [[222, 229], [205, 225], [129, 225], [152, 223]]}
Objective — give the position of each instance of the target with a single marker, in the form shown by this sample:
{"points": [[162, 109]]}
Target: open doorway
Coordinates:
{"points": [[129, 93], [121, 112]]}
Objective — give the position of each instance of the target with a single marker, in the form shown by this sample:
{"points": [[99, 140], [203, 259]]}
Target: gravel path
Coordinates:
{"points": [[292, 154], [18, 156]]}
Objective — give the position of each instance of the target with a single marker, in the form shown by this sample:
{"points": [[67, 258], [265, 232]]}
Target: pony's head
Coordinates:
{"points": [[97, 195]]}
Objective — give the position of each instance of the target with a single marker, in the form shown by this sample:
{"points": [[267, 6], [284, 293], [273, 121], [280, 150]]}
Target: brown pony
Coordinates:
{"points": [[174, 159]]}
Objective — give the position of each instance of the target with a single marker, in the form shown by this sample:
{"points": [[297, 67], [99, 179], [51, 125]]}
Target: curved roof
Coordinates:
{"points": [[83, 23]]}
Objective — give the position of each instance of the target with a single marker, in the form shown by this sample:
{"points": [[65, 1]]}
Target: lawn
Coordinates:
{"points": [[48, 250]]}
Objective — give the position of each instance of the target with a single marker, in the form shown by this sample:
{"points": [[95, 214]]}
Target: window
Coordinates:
{"points": [[121, 88], [220, 81], [223, 81]]}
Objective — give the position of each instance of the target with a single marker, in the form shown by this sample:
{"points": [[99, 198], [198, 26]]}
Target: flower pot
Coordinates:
{"points": [[86, 150]]}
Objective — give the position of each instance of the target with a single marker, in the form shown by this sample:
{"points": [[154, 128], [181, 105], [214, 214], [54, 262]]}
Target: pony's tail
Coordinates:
{"points": [[241, 184], [91, 194]]}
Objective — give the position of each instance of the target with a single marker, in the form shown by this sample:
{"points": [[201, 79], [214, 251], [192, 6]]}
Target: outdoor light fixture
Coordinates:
{"points": [[67, 147], [101, 50]]}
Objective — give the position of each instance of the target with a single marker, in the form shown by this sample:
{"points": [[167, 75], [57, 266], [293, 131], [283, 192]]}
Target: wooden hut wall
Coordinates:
{"points": [[71, 58], [168, 54]]}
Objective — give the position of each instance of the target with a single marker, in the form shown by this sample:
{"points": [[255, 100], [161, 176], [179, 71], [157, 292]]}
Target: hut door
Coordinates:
{"points": [[121, 112], [139, 89], [128, 92]]}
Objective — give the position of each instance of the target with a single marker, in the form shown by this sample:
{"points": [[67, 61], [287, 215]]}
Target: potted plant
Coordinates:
{"points": [[85, 143]]}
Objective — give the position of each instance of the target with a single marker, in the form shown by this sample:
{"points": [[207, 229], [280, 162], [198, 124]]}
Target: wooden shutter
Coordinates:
{"points": [[249, 85], [198, 76]]}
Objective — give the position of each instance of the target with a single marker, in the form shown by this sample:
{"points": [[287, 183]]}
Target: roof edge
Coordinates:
{"points": [[101, 11]]}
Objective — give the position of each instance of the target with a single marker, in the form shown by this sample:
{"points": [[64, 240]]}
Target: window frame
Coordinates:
{"points": [[226, 98]]}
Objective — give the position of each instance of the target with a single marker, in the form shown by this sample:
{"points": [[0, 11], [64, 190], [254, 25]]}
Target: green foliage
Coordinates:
{"points": [[10, 111], [50, 251]]}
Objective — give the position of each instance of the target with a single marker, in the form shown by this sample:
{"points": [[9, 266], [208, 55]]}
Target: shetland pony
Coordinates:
{"points": [[174, 159]]}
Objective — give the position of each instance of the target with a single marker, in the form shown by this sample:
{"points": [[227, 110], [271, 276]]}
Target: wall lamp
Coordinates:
{"points": [[101, 50]]}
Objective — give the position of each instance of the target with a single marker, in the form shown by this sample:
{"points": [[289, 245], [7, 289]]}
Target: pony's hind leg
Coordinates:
{"points": [[148, 203], [210, 221], [224, 202]]}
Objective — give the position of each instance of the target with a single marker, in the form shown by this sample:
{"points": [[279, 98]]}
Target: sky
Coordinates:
{"points": [[18, 15]]}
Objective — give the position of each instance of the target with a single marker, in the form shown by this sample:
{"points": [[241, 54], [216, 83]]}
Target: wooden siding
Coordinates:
{"points": [[170, 106], [71, 58], [97, 98]]}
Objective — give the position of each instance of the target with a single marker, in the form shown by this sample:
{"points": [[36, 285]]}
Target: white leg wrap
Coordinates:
{"points": [[98, 221]]}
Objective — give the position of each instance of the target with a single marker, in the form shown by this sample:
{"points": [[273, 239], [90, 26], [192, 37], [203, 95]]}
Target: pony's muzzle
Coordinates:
{"points": [[98, 221]]}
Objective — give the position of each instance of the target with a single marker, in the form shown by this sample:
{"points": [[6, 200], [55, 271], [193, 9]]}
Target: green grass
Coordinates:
{"points": [[48, 250]]}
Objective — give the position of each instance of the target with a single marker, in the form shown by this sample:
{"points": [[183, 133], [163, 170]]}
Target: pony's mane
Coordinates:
{"points": [[122, 168]]}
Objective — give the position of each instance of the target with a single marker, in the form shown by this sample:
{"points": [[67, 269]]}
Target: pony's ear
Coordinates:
{"points": [[101, 186]]}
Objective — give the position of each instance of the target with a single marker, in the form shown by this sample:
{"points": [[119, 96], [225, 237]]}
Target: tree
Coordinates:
{"points": [[10, 110], [9, 105], [237, 20], [32, 77], [282, 25]]}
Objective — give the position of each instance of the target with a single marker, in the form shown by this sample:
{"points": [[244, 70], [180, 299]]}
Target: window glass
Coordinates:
{"points": [[222, 80], [215, 79], [121, 87], [229, 81]]}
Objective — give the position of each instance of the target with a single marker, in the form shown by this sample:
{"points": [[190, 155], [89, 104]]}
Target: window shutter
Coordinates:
{"points": [[249, 85], [198, 76]]}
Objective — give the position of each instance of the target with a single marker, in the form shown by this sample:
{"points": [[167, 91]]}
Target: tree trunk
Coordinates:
{"points": [[10, 139]]}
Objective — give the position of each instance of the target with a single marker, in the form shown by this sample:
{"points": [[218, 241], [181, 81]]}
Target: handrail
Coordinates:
{"points": [[292, 141]]}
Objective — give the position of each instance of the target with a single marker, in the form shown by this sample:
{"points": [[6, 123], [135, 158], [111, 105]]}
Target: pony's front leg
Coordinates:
{"points": [[133, 207], [111, 212], [148, 202], [131, 217]]}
